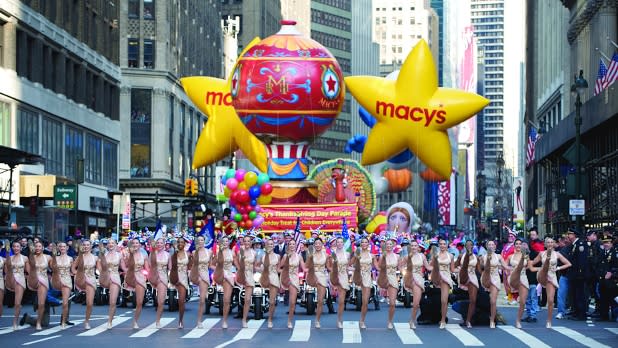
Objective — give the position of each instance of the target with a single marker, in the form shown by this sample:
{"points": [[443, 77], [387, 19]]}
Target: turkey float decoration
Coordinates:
{"points": [[287, 90]]}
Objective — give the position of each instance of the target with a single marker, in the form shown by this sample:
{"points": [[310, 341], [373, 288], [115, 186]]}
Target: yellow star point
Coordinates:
{"points": [[224, 132], [413, 112]]}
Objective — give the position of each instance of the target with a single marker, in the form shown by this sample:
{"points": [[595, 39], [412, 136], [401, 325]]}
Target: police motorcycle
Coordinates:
{"points": [[127, 296], [259, 298], [355, 296]]}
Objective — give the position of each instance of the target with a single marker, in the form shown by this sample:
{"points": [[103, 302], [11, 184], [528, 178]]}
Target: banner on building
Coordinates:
{"points": [[446, 201], [279, 217], [518, 202], [219, 187], [126, 211]]}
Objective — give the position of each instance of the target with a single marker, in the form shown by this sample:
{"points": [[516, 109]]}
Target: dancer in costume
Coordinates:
{"points": [[317, 275], [414, 281], [518, 280], [179, 275], [224, 275], [109, 276], [16, 267], [443, 266], [339, 261], [290, 281], [490, 278], [200, 276], [40, 280], [160, 264], [469, 265], [83, 269], [135, 280], [363, 262], [246, 261], [270, 278], [387, 278]]}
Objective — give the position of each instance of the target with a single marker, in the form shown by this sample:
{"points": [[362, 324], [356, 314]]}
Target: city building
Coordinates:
{"points": [[258, 18], [59, 100], [161, 42], [566, 38]]}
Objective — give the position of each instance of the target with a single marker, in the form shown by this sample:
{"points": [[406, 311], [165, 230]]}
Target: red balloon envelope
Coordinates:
{"points": [[243, 196], [266, 189]]}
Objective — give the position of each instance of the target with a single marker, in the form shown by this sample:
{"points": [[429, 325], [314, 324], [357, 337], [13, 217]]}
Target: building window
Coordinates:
{"points": [[93, 159], [52, 145], [2, 44], [149, 54], [141, 111], [73, 149], [27, 131], [133, 53], [110, 162], [149, 9], [5, 124], [133, 8]]}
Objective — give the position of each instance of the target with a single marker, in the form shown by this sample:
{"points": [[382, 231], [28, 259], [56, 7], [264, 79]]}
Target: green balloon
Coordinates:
{"points": [[262, 179], [252, 215], [238, 217], [230, 173]]}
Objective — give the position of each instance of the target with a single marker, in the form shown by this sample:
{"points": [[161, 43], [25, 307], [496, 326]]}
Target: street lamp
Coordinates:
{"points": [[500, 166], [577, 88]]}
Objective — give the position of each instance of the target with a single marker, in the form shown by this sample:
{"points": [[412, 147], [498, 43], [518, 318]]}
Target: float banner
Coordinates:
{"points": [[279, 217]]}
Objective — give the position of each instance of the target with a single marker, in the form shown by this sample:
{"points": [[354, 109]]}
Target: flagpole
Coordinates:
{"points": [[613, 43], [603, 54]]}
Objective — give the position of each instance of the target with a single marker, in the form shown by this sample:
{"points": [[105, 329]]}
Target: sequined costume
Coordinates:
{"points": [[90, 263], [342, 270], [18, 263], [391, 270], [319, 264], [523, 278], [553, 264], [445, 269], [63, 265], [293, 264], [183, 276], [472, 277], [41, 266], [494, 264], [417, 271], [249, 260], [366, 263], [113, 262], [273, 270], [163, 258]]}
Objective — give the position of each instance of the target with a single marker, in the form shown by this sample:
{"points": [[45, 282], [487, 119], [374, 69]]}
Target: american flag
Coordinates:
{"points": [[533, 136], [612, 71], [601, 82], [297, 234]]}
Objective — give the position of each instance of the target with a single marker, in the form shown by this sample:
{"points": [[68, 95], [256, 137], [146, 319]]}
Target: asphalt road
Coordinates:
{"points": [[565, 333]]}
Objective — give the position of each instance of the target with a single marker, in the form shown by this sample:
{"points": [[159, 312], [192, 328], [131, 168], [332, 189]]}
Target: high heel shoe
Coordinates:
{"points": [[468, 325], [109, 325], [492, 324], [158, 325], [63, 325], [270, 324], [180, 326], [224, 325], [38, 327], [317, 325], [244, 324], [389, 325], [442, 325], [200, 326], [339, 325], [135, 326], [86, 326], [289, 325], [412, 325], [548, 325], [362, 325], [518, 324]]}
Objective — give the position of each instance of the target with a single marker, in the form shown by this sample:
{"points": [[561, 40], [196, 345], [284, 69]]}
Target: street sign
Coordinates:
{"points": [[577, 207], [64, 196]]}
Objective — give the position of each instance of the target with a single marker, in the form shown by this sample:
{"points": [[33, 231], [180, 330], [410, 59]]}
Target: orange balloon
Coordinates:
{"points": [[429, 175]]}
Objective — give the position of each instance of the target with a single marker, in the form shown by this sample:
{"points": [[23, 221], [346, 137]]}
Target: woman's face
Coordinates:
{"points": [[86, 246], [225, 242], [491, 246], [340, 243], [518, 245], [549, 243], [62, 247], [111, 245], [270, 245], [364, 244], [160, 244], [399, 221], [135, 244], [469, 246], [200, 242], [16, 248], [247, 242], [318, 244], [389, 245], [38, 248], [291, 245], [442, 245], [181, 244], [414, 247]]}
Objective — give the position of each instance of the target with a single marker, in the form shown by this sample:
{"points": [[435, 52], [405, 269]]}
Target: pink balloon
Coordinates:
{"points": [[257, 209], [231, 183], [240, 174], [258, 221]]}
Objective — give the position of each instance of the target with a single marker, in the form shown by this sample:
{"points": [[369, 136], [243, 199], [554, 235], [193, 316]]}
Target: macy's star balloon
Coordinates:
{"points": [[224, 133], [413, 112]]}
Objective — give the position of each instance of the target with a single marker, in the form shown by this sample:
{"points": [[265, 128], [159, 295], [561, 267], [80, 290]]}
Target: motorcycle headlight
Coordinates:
{"points": [[219, 287], [211, 290], [257, 291], [256, 277]]}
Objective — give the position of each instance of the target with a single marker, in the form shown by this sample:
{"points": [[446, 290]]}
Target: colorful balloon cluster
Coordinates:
{"points": [[246, 191]]}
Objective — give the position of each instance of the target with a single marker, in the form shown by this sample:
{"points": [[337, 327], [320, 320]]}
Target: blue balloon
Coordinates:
{"points": [[223, 180], [254, 192], [253, 202]]}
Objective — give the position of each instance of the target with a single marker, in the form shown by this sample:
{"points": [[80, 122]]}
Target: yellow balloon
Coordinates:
{"points": [[242, 186], [264, 199], [413, 112], [250, 178], [224, 132], [226, 192]]}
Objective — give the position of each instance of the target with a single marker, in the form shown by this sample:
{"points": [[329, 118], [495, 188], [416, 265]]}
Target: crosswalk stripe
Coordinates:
{"points": [[576, 336], [97, 330], [351, 332], [55, 329], [523, 336], [612, 329], [302, 331], [206, 326], [9, 329], [41, 340], [152, 328], [406, 335], [466, 338], [245, 334]]}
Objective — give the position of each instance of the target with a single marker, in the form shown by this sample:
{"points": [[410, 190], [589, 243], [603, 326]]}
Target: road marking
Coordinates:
{"points": [[407, 335], [523, 336], [302, 331], [41, 340], [576, 336], [351, 332], [466, 338], [612, 329], [55, 329], [152, 328], [9, 329], [206, 326], [97, 330], [244, 334]]}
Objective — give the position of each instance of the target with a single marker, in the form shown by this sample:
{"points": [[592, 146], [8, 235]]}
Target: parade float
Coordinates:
{"points": [[287, 90]]}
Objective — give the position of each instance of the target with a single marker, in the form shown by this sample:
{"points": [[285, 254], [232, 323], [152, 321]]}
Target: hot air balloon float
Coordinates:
{"points": [[286, 90]]}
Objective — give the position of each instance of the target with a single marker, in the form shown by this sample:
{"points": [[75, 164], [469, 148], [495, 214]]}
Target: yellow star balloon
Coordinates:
{"points": [[224, 132], [413, 112]]}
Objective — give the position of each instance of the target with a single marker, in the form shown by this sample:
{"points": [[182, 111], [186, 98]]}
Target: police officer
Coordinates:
{"points": [[578, 275], [594, 252], [608, 276]]}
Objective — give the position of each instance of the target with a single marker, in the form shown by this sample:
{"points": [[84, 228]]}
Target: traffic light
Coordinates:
{"points": [[188, 186], [194, 188]]}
